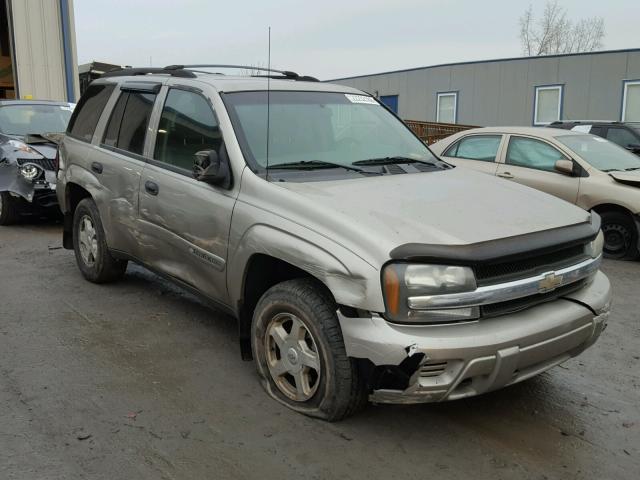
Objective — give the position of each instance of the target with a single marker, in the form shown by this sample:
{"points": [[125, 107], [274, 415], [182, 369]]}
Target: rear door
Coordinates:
{"points": [[531, 161], [118, 161], [479, 152], [185, 223]]}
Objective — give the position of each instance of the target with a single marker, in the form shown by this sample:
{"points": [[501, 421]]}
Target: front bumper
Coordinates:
{"points": [[462, 360]]}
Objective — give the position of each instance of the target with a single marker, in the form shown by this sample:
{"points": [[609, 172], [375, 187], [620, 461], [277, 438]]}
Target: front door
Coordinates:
{"points": [[531, 162], [184, 222]]}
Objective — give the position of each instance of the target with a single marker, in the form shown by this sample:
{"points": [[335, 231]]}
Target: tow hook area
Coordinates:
{"points": [[392, 377]]}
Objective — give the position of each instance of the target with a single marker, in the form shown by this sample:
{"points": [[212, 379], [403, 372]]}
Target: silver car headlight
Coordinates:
{"points": [[594, 248], [30, 171], [406, 284]]}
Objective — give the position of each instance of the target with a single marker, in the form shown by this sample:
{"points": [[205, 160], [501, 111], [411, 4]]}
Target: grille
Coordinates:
{"points": [[432, 369], [518, 304], [45, 163], [529, 267]]}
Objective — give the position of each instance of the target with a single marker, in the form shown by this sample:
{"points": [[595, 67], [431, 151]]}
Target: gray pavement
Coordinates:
{"points": [[139, 380]]}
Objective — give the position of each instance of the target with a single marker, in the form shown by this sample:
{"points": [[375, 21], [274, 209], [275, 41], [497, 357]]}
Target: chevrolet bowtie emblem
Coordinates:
{"points": [[550, 282]]}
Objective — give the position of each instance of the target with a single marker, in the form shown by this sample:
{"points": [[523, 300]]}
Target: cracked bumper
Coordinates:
{"points": [[463, 360]]}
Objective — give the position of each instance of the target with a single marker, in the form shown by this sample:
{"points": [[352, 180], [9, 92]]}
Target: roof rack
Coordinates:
{"points": [[288, 74], [189, 71], [126, 72]]}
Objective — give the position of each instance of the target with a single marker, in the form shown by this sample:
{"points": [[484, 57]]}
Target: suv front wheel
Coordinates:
{"points": [[299, 352], [620, 236], [90, 246]]}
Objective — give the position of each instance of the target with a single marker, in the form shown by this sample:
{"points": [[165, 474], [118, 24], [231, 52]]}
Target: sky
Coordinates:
{"points": [[328, 38]]}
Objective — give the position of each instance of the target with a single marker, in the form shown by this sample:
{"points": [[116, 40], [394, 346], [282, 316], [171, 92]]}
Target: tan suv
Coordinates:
{"points": [[583, 169]]}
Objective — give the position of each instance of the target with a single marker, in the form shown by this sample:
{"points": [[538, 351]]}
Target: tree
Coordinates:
{"points": [[555, 33]]}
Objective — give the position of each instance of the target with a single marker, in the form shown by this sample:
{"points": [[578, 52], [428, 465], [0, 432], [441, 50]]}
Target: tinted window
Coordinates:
{"points": [[187, 126], [87, 113], [597, 131], [477, 147], [134, 121], [527, 152], [621, 136], [113, 127]]}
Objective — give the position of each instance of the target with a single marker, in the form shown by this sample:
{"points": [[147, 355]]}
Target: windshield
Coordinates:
{"points": [[320, 127], [35, 119], [600, 153]]}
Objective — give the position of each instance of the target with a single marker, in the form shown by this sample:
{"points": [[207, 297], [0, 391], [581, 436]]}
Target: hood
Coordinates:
{"points": [[448, 207], [628, 178]]}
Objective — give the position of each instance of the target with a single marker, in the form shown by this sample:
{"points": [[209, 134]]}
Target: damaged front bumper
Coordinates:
{"points": [[40, 193], [431, 363]]}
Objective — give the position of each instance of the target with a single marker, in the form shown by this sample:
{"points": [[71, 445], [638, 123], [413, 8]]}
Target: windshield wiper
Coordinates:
{"points": [[391, 160], [314, 165], [607, 170], [631, 169]]}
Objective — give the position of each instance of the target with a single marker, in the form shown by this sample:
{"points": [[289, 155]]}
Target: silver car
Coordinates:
{"points": [[359, 266]]}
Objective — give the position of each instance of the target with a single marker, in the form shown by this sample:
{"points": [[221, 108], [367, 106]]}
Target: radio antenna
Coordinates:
{"points": [[268, 100]]}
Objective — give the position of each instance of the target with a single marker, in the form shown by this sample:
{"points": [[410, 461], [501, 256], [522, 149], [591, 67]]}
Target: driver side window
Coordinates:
{"points": [[531, 153], [187, 125]]}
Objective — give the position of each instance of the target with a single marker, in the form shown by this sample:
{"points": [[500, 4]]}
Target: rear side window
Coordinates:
{"points": [[476, 147], [87, 113], [129, 120], [527, 152], [187, 126]]}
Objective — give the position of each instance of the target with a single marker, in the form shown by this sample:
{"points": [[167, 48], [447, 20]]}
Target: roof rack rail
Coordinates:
{"points": [[126, 72], [288, 74]]}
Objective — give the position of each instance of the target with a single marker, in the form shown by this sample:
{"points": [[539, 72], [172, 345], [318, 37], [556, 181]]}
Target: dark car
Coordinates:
{"points": [[625, 134], [29, 131]]}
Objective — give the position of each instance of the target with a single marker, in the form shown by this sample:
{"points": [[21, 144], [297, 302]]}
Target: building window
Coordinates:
{"points": [[547, 105], [631, 101], [447, 107], [390, 101]]}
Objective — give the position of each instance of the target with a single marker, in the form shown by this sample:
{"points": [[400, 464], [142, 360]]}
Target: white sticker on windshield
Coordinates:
{"points": [[360, 99], [582, 128], [68, 109]]}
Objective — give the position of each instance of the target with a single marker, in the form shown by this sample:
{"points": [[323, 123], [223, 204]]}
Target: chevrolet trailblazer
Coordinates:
{"points": [[359, 266]]}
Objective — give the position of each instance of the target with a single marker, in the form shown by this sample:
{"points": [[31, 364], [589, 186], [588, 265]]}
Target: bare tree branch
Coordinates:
{"points": [[555, 33]]}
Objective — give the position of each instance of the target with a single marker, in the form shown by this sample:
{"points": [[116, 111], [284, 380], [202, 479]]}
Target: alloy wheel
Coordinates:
{"points": [[292, 357], [88, 241]]}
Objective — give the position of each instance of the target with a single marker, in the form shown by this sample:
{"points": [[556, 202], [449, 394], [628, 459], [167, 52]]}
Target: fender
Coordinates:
{"points": [[352, 281]]}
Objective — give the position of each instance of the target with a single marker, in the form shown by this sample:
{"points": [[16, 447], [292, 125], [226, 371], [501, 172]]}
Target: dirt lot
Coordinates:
{"points": [[138, 380]]}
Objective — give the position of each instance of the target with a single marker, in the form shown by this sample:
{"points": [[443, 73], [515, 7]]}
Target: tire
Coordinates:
{"points": [[338, 390], [620, 236], [9, 213], [90, 246]]}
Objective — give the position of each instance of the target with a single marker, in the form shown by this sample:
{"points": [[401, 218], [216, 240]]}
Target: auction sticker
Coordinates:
{"points": [[360, 99]]}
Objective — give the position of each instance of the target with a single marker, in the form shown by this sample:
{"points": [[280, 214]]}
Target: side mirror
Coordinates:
{"points": [[208, 167], [564, 166]]}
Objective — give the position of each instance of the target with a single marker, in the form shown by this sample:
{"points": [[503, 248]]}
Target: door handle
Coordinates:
{"points": [[96, 167], [151, 188], [505, 175]]}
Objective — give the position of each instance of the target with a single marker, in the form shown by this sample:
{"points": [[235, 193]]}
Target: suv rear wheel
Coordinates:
{"points": [[8, 209], [299, 352], [620, 236], [90, 247]]}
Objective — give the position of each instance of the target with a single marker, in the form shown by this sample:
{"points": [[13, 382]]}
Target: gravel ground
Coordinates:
{"points": [[140, 380]]}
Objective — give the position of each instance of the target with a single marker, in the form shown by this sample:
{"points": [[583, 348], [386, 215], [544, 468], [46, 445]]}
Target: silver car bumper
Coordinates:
{"points": [[468, 359]]}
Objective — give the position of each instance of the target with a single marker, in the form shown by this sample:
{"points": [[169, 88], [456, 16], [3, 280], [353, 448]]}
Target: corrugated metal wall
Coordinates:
{"points": [[502, 92], [39, 50]]}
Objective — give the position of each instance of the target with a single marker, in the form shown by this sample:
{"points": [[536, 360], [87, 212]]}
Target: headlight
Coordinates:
{"points": [[30, 171], [594, 248], [23, 147], [407, 289]]}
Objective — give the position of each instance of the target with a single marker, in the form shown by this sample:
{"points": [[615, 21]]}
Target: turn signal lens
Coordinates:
{"points": [[392, 290]]}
